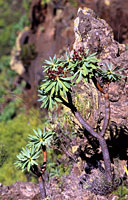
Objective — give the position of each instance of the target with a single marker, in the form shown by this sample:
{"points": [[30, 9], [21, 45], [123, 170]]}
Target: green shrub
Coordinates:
{"points": [[28, 53], [9, 26], [3, 154], [9, 93], [122, 191], [13, 135]]}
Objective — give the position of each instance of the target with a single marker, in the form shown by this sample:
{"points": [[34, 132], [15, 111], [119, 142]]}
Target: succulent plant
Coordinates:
{"points": [[62, 74], [110, 73], [27, 158], [40, 138], [83, 65], [55, 83]]}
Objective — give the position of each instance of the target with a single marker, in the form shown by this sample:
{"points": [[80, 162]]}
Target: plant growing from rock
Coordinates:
{"points": [[28, 157], [62, 74]]}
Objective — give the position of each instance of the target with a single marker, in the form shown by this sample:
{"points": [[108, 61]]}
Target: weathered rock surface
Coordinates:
{"points": [[115, 13], [67, 188], [96, 35], [19, 191]]}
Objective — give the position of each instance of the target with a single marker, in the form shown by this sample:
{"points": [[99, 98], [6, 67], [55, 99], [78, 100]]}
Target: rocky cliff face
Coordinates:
{"points": [[96, 35], [19, 191]]}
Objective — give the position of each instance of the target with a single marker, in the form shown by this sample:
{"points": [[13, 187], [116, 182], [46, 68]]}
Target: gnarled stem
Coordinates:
{"points": [[107, 114], [42, 187], [39, 171], [102, 141], [43, 167], [107, 104]]}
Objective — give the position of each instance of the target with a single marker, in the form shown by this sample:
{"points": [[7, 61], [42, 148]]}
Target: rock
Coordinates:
{"points": [[19, 191], [15, 62], [115, 13], [37, 14], [96, 35]]}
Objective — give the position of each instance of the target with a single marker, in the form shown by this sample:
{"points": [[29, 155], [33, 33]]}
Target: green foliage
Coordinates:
{"points": [[40, 138], [9, 93], [122, 193], [5, 60], [110, 73], [26, 5], [58, 170], [74, 3], [3, 154], [27, 158], [55, 83], [55, 165], [6, 77], [9, 111], [62, 74], [13, 136], [23, 21], [28, 53], [9, 26], [83, 65]]}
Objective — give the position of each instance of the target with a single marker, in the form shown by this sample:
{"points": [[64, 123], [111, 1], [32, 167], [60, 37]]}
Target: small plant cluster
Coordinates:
{"points": [[63, 73], [28, 156], [53, 74], [28, 53], [13, 130], [110, 73], [77, 55]]}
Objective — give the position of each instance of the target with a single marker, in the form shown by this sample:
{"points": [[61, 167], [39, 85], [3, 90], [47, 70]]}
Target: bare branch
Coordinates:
{"points": [[107, 114], [103, 144], [80, 118]]}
